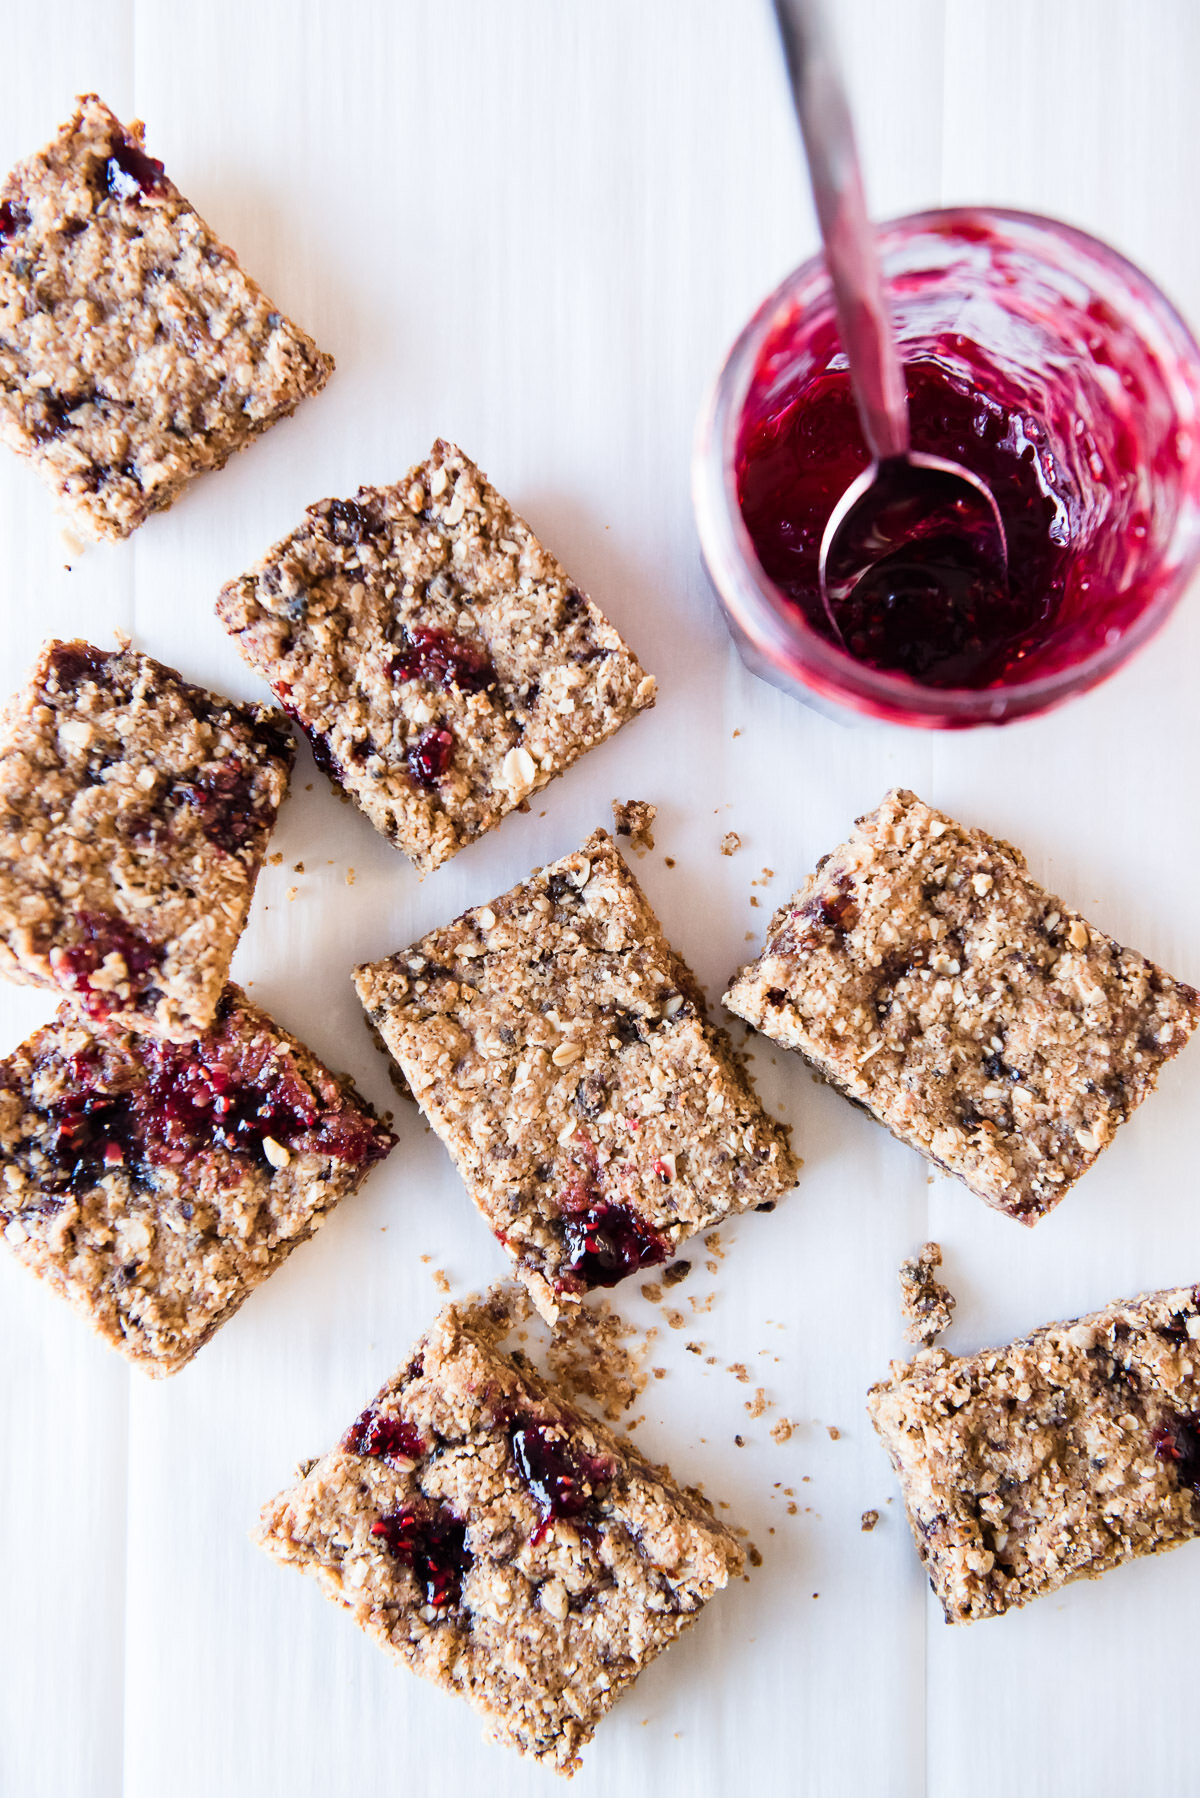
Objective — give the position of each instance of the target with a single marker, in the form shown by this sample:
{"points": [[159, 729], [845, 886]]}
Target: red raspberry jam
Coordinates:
{"points": [[1038, 359], [429, 1539], [559, 1477], [937, 615]]}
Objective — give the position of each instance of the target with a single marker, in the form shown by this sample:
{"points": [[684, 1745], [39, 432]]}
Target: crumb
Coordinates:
{"points": [[670, 860], [739, 1442], [730, 843], [660, 1373], [633, 818], [737, 733], [925, 1304], [275, 860], [653, 1291], [713, 1241], [349, 871], [870, 1519], [753, 1556], [793, 1509], [676, 1319], [759, 1403], [770, 873], [749, 937], [291, 893], [426, 1259], [678, 1270], [711, 1360], [596, 1355], [440, 1280], [781, 1430], [834, 1432], [308, 786], [816, 1595], [753, 900], [299, 868], [736, 1367], [712, 1266], [694, 1348]]}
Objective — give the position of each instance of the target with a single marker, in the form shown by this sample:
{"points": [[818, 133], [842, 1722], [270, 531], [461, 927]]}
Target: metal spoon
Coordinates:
{"points": [[904, 497]]}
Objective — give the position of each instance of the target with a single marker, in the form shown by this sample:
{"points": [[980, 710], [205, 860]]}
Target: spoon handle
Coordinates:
{"points": [[863, 322]]}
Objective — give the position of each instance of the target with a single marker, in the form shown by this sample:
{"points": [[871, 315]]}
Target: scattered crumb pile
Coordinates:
{"points": [[597, 1356], [633, 819], [925, 1304]]}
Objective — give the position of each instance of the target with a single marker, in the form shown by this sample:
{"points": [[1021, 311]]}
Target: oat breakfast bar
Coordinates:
{"points": [[1053, 1459], [154, 1185], [134, 352], [497, 1541], [439, 659], [135, 810], [927, 976], [561, 1050]]}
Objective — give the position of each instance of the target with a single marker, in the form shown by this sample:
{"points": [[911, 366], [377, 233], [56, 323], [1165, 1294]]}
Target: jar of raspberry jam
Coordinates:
{"points": [[1036, 357]]}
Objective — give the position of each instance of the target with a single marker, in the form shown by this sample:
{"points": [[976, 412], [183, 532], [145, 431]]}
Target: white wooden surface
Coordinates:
{"points": [[534, 227]]}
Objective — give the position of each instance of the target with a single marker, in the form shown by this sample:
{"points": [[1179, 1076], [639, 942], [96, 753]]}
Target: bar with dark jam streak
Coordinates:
{"points": [[562, 1052]]}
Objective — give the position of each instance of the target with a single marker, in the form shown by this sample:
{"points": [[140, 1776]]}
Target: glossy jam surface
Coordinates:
{"points": [[430, 756], [607, 1242], [1044, 365], [559, 1478], [935, 612], [228, 1090], [429, 1539]]}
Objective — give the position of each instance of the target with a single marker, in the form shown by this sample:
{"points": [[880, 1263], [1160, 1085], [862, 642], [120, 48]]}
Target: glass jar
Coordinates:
{"points": [[1103, 375]]}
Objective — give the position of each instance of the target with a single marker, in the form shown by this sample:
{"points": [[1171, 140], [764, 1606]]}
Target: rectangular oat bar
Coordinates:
{"points": [[155, 1185], [135, 811], [441, 662], [500, 1543], [1053, 1459], [134, 352], [930, 979], [561, 1050]]}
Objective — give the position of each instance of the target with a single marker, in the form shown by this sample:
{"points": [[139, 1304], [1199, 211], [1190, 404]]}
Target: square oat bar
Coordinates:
{"points": [[439, 659], [154, 1185], [134, 814], [134, 353], [926, 976], [560, 1049], [500, 1543], [1053, 1459]]}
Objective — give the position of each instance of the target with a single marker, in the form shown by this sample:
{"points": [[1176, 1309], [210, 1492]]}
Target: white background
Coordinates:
{"points": [[535, 227]]}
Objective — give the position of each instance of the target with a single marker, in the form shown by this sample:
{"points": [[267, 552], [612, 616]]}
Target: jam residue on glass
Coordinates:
{"points": [[431, 1540], [559, 1477], [228, 1090], [1040, 362]]}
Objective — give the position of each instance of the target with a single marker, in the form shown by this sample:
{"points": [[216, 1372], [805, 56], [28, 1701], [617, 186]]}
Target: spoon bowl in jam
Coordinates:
{"points": [[914, 550]]}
